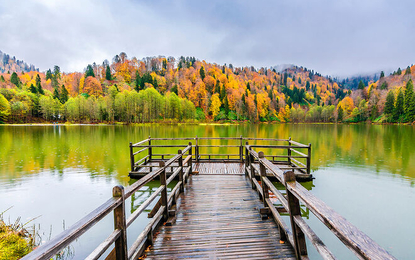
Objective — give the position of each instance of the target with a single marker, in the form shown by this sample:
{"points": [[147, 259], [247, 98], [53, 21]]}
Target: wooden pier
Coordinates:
{"points": [[224, 205]]}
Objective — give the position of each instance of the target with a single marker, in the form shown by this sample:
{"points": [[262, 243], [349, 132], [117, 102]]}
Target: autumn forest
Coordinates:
{"points": [[160, 89]]}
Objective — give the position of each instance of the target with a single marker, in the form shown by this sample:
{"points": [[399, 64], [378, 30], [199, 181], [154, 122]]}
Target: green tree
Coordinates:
{"points": [[2, 78], [411, 110], [89, 71], [56, 94], [64, 94], [32, 89], [340, 114], [399, 107], [409, 93], [202, 73], [382, 74], [57, 72], [399, 72], [49, 74], [4, 109], [384, 85], [389, 104], [108, 73], [361, 85], [15, 79], [408, 71], [39, 85]]}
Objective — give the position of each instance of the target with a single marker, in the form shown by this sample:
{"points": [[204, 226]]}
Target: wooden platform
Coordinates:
{"points": [[218, 218]]}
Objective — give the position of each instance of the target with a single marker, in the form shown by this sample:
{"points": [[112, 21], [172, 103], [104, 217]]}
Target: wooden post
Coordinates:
{"points": [[120, 223], [252, 170], [197, 149], [164, 191], [294, 210], [132, 156], [241, 151], [309, 159], [246, 160], [150, 152], [190, 162], [289, 151], [263, 173], [181, 171]]}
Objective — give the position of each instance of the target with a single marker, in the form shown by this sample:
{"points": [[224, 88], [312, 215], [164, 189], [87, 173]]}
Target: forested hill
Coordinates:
{"points": [[185, 89], [10, 64]]}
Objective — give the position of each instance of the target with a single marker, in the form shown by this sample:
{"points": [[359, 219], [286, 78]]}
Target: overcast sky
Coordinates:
{"points": [[333, 37]]}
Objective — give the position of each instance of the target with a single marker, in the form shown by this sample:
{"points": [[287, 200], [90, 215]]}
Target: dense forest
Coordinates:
{"points": [[160, 89]]}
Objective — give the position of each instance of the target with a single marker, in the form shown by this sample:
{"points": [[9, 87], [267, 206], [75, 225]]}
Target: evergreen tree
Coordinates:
{"points": [[202, 73], [411, 110], [340, 114], [384, 85], [217, 87], [32, 89], [248, 86], [307, 85], [409, 92], [89, 71], [64, 95], [15, 79], [389, 104], [382, 74], [399, 110], [57, 72], [226, 105], [361, 85], [408, 71], [108, 73], [222, 94], [56, 94], [2, 78], [48, 74], [39, 85], [399, 72]]}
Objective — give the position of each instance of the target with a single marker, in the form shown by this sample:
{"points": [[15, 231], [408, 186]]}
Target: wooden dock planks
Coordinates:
{"points": [[218, 218]]}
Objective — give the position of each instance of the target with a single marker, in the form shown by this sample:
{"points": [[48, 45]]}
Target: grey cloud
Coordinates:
{"points": [[339, 38]]}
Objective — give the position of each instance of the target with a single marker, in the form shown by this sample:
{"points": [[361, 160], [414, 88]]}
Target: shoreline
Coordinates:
{"points": [[202, 123]]}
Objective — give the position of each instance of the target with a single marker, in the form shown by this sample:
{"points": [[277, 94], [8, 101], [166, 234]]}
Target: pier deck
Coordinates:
{"points": [[218, 218]]}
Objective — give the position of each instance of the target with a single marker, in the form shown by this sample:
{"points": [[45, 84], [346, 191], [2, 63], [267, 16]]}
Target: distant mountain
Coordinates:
{"points": [[10, 64]]}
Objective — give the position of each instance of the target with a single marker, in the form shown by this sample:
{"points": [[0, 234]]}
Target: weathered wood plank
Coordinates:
{"points": [[218, 218]]}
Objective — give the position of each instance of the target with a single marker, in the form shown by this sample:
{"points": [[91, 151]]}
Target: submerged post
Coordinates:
{"points": [[164, 191], [132, 156], [294, 210], [120, 224]]}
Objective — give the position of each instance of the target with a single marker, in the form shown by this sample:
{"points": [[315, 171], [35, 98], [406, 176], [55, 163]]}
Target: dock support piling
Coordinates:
{"points": [[164, 191]]}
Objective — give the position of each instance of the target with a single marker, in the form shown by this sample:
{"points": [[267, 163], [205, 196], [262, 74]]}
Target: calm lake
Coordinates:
{"points": [[58, 174]]}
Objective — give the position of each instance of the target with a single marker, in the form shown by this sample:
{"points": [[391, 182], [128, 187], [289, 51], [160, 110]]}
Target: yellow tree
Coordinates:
{"points": [[215, 105], [92, 86]]}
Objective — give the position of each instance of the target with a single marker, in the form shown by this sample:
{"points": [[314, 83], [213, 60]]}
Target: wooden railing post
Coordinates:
{"points": [[241, 151], [263, 173], [120, 223], [294, 210], [150, 152], [251, 160], [164, 191], [309, 159], [246, 159], [132, 157], [190, 162], [289, 151], [197, 149], [181, 170]]}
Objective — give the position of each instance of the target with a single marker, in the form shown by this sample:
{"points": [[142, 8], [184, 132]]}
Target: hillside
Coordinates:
{"points": [[165, 89], [10, 64]]}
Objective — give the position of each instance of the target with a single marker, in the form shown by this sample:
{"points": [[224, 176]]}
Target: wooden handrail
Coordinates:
{"points": [[358, 242], [116, 205]]}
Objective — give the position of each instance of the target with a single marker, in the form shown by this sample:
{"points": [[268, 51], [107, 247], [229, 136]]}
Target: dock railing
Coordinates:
{"points": [[116, 204], [289, 153], [358, 242]]}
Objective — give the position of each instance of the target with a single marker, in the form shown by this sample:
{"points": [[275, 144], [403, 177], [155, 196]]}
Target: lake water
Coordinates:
{"points": [[60, 173]]}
